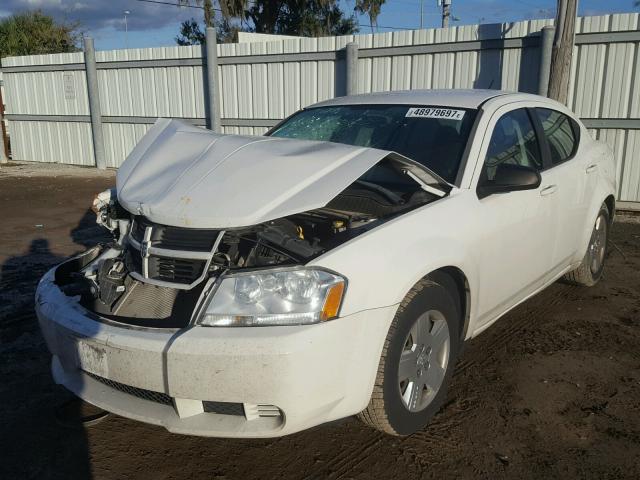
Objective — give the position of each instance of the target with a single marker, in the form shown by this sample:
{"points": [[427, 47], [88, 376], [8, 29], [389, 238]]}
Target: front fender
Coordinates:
{"points": [[383, 264]]}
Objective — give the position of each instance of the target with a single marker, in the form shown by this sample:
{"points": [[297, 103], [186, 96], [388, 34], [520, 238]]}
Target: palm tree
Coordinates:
{"points": [[372, 9], [207, 6]]}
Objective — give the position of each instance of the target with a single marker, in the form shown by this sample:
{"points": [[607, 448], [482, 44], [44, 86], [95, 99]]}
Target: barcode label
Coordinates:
{"points": [[430, 112]]}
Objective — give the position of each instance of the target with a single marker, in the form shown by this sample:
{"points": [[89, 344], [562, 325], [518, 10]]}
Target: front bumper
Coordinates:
{"points": [[286, 379]]}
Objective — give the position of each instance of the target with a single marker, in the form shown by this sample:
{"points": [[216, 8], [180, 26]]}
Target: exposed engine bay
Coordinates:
{"points": [[156, 275]]}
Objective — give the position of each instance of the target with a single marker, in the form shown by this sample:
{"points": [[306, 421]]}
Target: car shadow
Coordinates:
{"points": [[42, 425]]}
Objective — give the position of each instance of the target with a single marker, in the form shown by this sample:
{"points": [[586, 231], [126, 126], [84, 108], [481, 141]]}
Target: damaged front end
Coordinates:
{"points": [[161, 271]]}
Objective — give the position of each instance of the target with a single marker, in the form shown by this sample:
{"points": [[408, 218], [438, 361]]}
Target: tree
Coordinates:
{"points": [[190, 33], [34, 33], [371, 8], [311, 18], [207, 8], [288, 17]]}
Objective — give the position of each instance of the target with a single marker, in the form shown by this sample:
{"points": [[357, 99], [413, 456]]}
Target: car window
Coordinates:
{"points": [[435, 137], [559, 133], [513, 141]]}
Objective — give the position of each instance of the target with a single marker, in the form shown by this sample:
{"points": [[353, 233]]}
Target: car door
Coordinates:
{"points": [[516, 229], [567, 178]]}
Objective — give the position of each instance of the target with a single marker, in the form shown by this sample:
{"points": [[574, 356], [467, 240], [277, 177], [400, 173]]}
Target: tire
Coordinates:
{"points": [[402, 406], [590, 270]]}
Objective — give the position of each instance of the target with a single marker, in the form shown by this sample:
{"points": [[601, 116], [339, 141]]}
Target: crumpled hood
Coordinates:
{"points": [[186, 176]]}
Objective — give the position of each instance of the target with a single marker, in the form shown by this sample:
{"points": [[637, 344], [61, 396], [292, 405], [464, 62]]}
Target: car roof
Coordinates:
{"points": [[450, 98]]}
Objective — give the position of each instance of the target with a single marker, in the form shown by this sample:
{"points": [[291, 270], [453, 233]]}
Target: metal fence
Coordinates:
{"points": [[259, 83]]}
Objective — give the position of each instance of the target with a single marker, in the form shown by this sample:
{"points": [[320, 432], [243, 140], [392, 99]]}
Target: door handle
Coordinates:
{"points": [[592, 168], [548, 190]]}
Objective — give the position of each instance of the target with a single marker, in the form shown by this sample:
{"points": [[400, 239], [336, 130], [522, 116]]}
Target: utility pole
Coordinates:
{"points": [[421, 14], [562, 51], [446, 12], [205, 5], [208, 13]]}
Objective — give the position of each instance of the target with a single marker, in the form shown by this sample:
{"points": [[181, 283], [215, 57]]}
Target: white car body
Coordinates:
{"points": [[505, 247]]}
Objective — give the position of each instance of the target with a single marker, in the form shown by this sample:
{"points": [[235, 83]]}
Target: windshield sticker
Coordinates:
{"points": [[429, 112]]}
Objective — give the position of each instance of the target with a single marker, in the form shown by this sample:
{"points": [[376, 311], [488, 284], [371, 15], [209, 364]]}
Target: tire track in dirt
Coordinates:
{"points": [[429, 445], [512, 323], [434, 435], [360, 457], [345, 461]]}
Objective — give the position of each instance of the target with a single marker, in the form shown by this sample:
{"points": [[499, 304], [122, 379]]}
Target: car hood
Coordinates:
{"points": [[186, 176]]}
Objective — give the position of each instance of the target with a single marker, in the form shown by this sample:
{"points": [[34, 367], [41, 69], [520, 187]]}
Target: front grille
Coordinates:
{"points": [[191, 239], [223, 408], [149, 395], [184, 270], [175, 270], [175, 238], [139, 226]]}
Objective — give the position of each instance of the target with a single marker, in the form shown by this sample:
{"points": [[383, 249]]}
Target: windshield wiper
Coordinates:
{"points": [[390, 195]]}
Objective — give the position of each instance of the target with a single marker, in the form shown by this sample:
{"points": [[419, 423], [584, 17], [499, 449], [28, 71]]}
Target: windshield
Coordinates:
{"points": [[433, 136]]}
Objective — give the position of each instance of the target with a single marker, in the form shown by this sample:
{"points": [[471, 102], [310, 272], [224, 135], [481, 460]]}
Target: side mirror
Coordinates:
{"points": [[510, 178]]}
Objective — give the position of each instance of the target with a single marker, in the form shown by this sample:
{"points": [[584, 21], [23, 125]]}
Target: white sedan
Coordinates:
{"points": [[258, 286]]}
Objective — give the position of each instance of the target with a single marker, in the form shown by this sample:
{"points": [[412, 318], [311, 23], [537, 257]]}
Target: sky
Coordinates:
{"points": [[155, 25]]}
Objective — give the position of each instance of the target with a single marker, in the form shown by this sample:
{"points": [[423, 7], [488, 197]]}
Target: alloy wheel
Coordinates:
{"points": [[424, 360], [598, 244]]}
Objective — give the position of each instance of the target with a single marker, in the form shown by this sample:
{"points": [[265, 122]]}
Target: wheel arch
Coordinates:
{"points": [[454, 279], [610, 202]]}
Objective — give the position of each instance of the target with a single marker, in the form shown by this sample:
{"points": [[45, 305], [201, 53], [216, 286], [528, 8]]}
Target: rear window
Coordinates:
{"points": [[433, 136], [560, 133]]}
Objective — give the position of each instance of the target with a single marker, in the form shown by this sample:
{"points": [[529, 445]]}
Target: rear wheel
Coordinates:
{"points": [[416, 363], [592, 266]]}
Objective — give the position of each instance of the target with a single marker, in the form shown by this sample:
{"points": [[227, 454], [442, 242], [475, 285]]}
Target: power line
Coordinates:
{"points": [[159, 2], [382, 26]]}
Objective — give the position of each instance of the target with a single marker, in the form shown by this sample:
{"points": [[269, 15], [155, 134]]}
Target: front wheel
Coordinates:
{"points": [[592, 266], [416, 363]]}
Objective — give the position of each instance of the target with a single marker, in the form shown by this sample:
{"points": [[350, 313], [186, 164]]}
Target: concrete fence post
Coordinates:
{"points": [[94, 103], [4, 147], [352, 68], [3, 154], [546, 45], [213, 119]]}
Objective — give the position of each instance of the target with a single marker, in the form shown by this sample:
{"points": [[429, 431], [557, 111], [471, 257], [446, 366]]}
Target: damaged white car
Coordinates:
{"points": [[258, 286]]}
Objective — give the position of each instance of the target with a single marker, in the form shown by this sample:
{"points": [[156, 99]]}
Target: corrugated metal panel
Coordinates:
{"points": [[626, 148], [58, 142], [630, 175], [119, 139], [50, 59], [43, 93]]}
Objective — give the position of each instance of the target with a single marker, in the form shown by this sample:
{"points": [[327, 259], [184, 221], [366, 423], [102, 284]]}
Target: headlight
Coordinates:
{"points": [[298, 296]]}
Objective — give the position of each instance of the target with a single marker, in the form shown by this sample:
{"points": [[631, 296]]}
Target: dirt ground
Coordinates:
{"points": [[551, 391]]}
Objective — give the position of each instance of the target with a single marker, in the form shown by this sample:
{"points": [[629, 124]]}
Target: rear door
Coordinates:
{"points": [[516, 229], [567, 180]]}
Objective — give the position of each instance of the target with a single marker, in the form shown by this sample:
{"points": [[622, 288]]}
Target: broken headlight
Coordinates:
{"points": [[298, 296]]}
